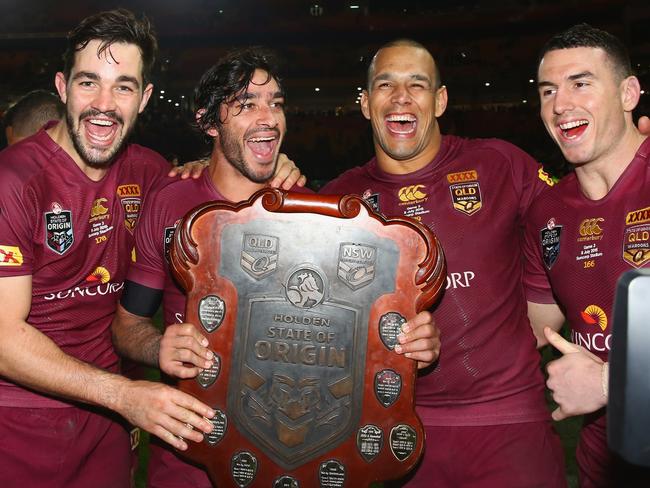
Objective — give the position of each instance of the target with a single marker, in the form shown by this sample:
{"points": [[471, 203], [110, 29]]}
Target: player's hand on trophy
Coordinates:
{"points": [[191, 169], [420, 339], [287, 174], [164, 411], [184, 352]]}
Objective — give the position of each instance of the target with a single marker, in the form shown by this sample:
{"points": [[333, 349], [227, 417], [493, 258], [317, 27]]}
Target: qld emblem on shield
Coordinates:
{"points": [[309, 390]]}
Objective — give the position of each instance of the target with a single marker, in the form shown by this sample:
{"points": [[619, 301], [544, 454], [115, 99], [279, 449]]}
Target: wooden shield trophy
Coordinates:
{"points": [[302, 298]]}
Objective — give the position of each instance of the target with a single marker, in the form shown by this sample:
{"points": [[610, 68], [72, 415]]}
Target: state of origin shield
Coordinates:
{"points": [[302, 298]]}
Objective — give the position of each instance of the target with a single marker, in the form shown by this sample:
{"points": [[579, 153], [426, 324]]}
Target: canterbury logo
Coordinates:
{"points": [[462, 176], [590, 227], [640, 216], [97, 208], [411, 193]]}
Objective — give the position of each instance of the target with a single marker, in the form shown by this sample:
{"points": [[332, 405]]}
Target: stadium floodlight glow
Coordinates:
{"points": [[317, 89], [487, 83], [354, 6]]}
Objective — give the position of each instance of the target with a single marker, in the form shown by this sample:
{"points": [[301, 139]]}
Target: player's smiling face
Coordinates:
{"points": [[403, 103], [103, 95], [581, 102], [253, 128]]}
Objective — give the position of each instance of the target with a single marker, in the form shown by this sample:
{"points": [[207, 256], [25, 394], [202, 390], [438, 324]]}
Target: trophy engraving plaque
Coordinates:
{"points": [[302, 298], [370, 440], [219, 425], [208, 376], [211, 312], [403, 440], [390, 326], [286, 482]]}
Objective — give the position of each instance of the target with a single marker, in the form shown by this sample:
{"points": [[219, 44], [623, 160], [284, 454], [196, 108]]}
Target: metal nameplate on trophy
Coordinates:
{"points": [[302, 298]]}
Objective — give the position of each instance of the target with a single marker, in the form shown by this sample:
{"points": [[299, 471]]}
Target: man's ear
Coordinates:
{"points": [[146, 94], [630, 93], [365, 110], [212, 131], [441, 100], [61, 86]]}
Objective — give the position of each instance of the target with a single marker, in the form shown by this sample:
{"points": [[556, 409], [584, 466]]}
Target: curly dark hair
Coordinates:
{"points": [[119, 25], [228, 78], [584, 35]]}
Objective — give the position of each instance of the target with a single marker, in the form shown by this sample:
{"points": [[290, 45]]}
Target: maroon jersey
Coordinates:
{"points": [[582, 247], [73, 236], [474, 196]]}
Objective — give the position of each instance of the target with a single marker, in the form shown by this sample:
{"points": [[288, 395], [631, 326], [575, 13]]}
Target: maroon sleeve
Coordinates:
{"points": [[17, 220], [535, 279]]}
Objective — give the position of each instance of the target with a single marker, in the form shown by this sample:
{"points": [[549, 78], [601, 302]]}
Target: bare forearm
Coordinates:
{"points": [[31, 359], [136, 338]]}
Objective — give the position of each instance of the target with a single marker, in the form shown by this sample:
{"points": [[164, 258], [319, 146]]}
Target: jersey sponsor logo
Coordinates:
{"points": [[98, 217], [356, 267], [636, 245], [550, 242], [590, 229], [59, 233], [411, 193], [97, 283], [594, 315], [168, 238], [598, 342], [640, 216], [466, 197], [98, 209], [460, 280], [129, 196], [470, 175], [545, 177], [10, 256], [259, 255], [100, 274]]}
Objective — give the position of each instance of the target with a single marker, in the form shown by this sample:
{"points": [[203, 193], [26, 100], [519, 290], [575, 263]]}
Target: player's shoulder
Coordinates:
{"points": [[499, 147], [24, 162], [143, 157], [347, 180]]}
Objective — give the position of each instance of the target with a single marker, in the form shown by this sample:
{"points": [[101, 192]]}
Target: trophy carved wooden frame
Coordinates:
{"points": [[302, 298]]}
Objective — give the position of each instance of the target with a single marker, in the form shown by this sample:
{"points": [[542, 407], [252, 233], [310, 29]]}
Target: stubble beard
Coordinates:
{"points": [[234, 154], [92, 157]]}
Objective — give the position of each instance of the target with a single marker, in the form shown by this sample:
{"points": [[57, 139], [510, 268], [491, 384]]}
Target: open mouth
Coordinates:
{"points": [[402, 124], [262, 147], [100, 131], [573, 129]]}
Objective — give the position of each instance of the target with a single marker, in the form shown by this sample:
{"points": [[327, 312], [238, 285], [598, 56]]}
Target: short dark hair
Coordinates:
{"points": [[584, 35], [226, 79], [114, 26], [32, 111], [403, 42]]}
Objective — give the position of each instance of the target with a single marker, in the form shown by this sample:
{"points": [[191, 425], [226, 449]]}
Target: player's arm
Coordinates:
{"points": [[287, 174], [543, 315], [420, 340], [32, 359], [181, 351]]}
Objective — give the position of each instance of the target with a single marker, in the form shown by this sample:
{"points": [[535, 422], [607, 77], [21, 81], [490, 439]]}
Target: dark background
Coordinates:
{"points": [[327, 45]]}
